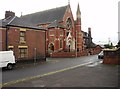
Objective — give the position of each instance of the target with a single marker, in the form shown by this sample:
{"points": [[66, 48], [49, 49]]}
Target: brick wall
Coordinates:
{"points": [[73, 54], [53, 36], [34, 39], [112, 56], [111, 60], [2, 39], [63, 54], [68, 54]]}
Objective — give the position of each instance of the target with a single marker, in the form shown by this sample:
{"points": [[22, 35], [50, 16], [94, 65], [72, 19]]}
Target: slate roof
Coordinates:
{"points": [[85, 34], [46, 16], [4, 22], [18, 22], [92, 45], [21, 23]]}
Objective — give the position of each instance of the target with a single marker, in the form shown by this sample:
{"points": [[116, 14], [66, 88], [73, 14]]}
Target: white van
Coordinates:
{"points": [[7, 59]]}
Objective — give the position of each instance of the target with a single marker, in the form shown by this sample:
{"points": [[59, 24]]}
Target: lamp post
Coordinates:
{"points": [[76, 43], [34, 55]]}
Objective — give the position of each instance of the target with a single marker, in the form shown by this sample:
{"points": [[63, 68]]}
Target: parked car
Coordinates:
{"points": [[101, 55], [7, 59]]}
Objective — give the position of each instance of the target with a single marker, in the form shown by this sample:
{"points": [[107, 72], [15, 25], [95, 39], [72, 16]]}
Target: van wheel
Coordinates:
{"points": [[9, 66]]}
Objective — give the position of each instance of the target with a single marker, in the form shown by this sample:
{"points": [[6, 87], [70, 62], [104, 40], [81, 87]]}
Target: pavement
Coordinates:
{"points": [[22, 64], [90, 75]]}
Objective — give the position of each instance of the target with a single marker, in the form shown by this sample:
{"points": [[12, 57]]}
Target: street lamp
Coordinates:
{"points": [[76, 43], [34, 55]]}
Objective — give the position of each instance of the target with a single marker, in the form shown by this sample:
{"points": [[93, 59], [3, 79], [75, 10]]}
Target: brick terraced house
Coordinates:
{"points": [[26, 40]]}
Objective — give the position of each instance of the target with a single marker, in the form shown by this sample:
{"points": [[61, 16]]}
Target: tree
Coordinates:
{"points": [[118, 44]]}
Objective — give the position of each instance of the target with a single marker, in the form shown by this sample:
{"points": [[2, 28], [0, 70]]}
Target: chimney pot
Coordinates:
{"points": [[9, 14]]}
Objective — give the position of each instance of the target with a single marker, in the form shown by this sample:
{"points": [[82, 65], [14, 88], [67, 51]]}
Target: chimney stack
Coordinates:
{"points": [[9, 14]]}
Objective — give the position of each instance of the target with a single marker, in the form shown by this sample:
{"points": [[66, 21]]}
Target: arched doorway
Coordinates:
{"points": [[51, 46]]}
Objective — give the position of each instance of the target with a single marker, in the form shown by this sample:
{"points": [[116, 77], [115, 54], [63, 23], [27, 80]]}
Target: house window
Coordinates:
{"points": [[23, 52], [22, 36]]}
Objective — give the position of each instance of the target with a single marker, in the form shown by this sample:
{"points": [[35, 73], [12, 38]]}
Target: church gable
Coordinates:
{"points": [[68, 15]]}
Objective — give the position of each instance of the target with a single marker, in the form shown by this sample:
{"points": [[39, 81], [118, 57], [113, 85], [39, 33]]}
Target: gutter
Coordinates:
{"points": [[7, 28]]}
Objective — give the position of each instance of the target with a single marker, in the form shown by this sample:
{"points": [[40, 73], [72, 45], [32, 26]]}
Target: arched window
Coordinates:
{"points": [[68, 26]]}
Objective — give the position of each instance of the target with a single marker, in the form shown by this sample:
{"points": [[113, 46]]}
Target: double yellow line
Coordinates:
{"points": [[40, 76]]}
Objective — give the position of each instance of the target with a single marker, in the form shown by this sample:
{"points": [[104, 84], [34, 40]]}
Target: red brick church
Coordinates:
{"points": [[63, 32]]}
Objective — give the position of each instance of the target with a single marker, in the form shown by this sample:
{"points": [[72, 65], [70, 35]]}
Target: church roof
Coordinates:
{"points": [[46, 16]]}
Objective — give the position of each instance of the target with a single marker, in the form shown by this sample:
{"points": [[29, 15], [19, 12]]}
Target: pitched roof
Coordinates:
{"points": [[92, 45], [16, 21], [4, 22], [85, 34], [21, 23], [46, 16]]}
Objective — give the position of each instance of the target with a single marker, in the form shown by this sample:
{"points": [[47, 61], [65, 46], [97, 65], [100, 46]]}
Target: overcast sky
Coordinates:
{"points": [[100, 15]]}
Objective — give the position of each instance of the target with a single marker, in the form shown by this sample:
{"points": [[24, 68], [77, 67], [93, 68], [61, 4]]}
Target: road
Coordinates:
{"points": [[96, 76], [52, 64]]}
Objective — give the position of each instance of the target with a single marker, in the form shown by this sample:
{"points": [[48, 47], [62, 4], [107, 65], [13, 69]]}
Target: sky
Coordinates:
{"points": [[100, 15]]}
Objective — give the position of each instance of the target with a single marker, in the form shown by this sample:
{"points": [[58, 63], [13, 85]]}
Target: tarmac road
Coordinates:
{"points": [[24, 72], [91, 75]]}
